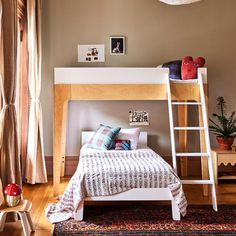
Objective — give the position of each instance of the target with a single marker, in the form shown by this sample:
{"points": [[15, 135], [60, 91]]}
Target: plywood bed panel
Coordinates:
{"points": [[125, 92]]}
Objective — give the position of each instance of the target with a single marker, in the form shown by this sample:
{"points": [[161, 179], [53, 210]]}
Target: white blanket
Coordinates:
{"points": [[102, 173]]}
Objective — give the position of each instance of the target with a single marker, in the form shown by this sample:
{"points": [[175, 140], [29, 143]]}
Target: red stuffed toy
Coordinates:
{"points": [[189, 67]]}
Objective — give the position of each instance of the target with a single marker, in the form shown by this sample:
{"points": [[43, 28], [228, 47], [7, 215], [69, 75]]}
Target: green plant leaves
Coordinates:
{"points": [[225, 125]]}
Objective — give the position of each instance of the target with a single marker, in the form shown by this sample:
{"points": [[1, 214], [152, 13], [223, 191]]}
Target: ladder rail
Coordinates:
{"points": [[171, 123], [204, 114], [207, 141]]}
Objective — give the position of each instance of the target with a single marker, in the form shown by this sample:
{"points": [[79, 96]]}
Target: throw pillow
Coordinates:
{"points": [[103, 137], [130, 134]]}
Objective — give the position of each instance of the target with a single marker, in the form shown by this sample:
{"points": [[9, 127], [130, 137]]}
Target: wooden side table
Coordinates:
{"points": [[22, 209], [222, 157]]}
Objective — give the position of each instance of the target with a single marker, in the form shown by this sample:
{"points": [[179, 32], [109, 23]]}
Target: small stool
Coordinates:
{"points": [[22, 209]]}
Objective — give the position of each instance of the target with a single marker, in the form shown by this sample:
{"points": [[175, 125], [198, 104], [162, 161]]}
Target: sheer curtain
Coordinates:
{"points": [[23, 88], [10, 157], [35, 161]]}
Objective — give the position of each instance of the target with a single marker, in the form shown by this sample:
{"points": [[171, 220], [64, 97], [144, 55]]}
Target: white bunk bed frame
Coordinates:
{"points": [[136, 194], [116, 84]]}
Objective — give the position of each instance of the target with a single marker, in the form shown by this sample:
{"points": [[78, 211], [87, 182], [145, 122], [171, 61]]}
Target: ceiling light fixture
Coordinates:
{"points": [[179, 2]]}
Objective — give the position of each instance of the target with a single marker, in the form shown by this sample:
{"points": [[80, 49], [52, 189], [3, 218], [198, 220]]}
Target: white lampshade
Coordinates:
{"points": [[179, 2]]}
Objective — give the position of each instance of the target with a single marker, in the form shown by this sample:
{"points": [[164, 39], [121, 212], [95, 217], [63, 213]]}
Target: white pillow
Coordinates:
{"points": [[129, 134]]}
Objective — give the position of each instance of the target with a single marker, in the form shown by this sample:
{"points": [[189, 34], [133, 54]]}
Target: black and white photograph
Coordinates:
{"points": [[117, 45], [138, 118], [91, 53]]}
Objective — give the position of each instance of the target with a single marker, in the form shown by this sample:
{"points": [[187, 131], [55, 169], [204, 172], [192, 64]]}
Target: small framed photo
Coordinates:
{"points": [[91, 53], [138, 118], [117, 45]]}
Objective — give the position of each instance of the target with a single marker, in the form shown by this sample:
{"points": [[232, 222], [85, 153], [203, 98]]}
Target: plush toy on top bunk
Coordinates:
{"points": [[185, 69], [189, 67]]}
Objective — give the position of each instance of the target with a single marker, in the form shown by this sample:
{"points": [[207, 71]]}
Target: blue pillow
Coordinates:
{"points": [[103, 137], [175, 69]]}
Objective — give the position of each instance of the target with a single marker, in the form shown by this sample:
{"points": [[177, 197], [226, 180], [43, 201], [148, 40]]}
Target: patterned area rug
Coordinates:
{"points": [[150, 220]]}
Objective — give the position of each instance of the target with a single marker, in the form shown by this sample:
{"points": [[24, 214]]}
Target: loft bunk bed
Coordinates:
{"points": [[126, 84]]}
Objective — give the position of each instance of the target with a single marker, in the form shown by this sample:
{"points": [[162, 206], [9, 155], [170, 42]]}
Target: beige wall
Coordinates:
{"points": [[155, 33]]}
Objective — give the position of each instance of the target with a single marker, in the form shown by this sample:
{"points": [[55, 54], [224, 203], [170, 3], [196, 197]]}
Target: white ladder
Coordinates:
{"points": [[205, 129]]}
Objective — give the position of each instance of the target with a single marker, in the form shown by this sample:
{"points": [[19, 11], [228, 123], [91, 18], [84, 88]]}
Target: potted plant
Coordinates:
{"points": [[225, 126]]}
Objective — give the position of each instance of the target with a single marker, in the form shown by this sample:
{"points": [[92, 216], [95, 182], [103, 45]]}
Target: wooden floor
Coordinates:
{"points": [[41, 195]]}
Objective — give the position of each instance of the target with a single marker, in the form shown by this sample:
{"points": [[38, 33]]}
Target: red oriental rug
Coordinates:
{"points": [[150, 220]]}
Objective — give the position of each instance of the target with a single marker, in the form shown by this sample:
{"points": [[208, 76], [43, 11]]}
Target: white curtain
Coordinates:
{"points": [[179, 2], [35, 162]]}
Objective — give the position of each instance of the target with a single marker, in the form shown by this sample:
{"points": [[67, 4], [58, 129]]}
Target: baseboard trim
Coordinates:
{"points": [[70, 165]]}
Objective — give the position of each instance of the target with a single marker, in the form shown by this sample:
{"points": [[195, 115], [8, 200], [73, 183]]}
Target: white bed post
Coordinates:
{"points": [[175, 210], [78, 215]]}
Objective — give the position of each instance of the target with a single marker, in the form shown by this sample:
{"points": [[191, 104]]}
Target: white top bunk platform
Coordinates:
{"points": [[116, 75]]}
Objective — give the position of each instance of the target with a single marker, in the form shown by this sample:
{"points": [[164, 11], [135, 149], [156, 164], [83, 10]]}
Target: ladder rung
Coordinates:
{"points": [[189, 128], [191, 154], [186, 103], [190, 81], [197, 181]]}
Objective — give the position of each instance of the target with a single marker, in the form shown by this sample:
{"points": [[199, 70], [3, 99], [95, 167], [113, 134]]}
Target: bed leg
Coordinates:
{"points": [[78, 215], [175, 211]]}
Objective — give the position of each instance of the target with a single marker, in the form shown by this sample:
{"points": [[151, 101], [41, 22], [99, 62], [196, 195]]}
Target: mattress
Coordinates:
{"points": [[104, 173]]}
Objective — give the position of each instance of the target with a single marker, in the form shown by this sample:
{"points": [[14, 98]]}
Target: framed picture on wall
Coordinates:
{"points": [[138, 118], [117, 45], [91, 53]]}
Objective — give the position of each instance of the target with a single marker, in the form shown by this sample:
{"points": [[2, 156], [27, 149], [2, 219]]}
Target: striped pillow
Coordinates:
{"points": [[122, 145], [103, 137]]}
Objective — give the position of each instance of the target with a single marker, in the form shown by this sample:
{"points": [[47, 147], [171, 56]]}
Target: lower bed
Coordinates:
{"points": [[118, 175]]}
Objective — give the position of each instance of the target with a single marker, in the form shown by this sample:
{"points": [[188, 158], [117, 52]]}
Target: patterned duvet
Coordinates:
{"points": [[102, 173]]}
